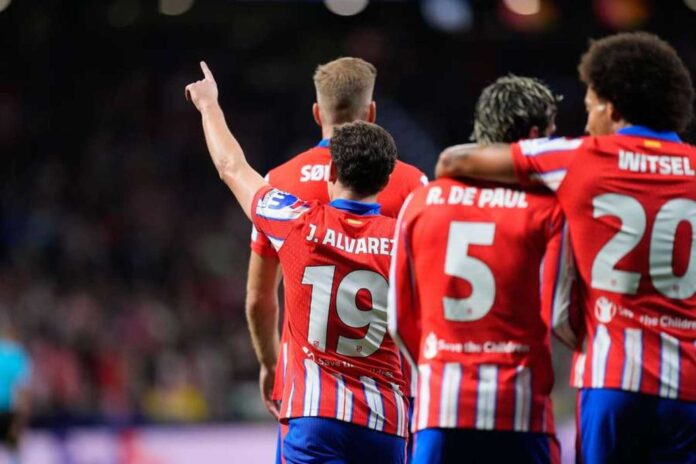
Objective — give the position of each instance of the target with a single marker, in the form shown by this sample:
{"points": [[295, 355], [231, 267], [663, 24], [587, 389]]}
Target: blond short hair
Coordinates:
{"points": [[344, 88]]}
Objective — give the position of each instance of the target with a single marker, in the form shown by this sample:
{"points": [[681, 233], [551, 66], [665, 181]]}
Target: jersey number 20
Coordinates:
{"points": [[633, 224]]}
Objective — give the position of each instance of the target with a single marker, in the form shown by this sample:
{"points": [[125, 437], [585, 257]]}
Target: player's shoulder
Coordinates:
{"points": [[404, 172], [548, 145], [276, 204]]}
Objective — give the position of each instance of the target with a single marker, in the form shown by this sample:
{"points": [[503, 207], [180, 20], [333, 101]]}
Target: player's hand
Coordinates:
{"points": [[444, 162], [266, 381], [203, 93]]}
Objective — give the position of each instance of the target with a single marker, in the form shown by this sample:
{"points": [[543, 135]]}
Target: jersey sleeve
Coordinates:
{"points": [[544, 161], [560, 308], [260, 244], [404, 322], [275, 213]]}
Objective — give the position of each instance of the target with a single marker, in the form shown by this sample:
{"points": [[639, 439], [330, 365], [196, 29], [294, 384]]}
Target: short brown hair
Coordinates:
{"points": [[364, 155], [643, 77], [344, 88]]}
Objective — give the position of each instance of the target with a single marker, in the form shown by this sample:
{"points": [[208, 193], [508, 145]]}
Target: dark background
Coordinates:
{"points": [[123, 257]]}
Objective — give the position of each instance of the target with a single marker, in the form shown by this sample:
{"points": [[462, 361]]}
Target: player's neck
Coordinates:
{"points": [[342, 193], [327, 131]]}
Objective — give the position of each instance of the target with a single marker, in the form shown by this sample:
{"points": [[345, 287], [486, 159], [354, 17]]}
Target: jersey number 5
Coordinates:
{"points": [[375, 319], [458, 263]]}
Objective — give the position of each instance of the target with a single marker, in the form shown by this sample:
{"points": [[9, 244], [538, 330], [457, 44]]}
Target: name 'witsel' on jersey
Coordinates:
{"points": [[630, 201]]}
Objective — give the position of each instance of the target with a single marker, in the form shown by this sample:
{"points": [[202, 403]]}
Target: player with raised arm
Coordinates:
{"points": [[629, 194], [466, 299], [344, 89], [343, 395]]}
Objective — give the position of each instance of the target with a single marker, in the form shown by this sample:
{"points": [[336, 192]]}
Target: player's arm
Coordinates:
{"points": [[225, 151], [262, 317], [402, 308], [487, 162]]}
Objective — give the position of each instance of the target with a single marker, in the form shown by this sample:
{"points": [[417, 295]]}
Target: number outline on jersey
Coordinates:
{"points": [[321, 279]]}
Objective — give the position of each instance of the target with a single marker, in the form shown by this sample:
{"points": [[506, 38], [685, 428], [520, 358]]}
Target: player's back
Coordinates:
{"points": [[476, 251], [631, 205], [306, 175], [341, 363]]}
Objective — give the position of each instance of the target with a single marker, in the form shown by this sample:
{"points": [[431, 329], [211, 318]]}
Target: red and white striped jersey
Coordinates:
{"points": [[306, 176], [630, 202], [341, 362], [465, 303]]}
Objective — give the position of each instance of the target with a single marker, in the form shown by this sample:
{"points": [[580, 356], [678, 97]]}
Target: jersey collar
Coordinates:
{"points": [[642, 131], [324, 143], [356, 207]]}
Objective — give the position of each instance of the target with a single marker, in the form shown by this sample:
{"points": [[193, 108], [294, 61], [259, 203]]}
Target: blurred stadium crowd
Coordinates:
{"points": [[116, 267]]}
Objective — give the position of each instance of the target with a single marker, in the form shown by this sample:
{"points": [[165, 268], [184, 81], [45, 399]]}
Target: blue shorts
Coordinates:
{"points": [[624, 427], [328, 441], [435, 446], [409, 441]]}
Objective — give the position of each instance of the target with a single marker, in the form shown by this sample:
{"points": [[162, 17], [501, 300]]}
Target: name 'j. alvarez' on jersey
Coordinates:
{"points": [[340, 363], [305, 176], [630, 203]]}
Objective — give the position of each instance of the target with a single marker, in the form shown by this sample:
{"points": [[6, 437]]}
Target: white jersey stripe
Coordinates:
{"points": [[551, 179], [401, 415], [288, 412], [449, 396], [423, 395], [669, 366], [600, 353], [523, 399], [535, 147], [276, 242], [374, 401], [487, 391], [312, 389], [633, 360], [340, 398], [285, 359], [580, 370]]}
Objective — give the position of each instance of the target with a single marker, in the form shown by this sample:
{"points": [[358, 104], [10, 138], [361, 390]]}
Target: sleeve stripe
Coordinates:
{"points": [[285, 214], [552, 179], [537, 147]]}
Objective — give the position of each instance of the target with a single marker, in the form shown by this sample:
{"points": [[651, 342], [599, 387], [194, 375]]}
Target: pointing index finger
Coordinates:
{"points": [[206, 71]]}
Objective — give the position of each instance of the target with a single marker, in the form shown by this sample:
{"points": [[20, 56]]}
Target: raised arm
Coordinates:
{"points": [[225, 151], [485, 162]]}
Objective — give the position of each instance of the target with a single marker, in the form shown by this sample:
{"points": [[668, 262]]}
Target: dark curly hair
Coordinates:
{"points": [[643, 77], [364, 155], [508, 109]]}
